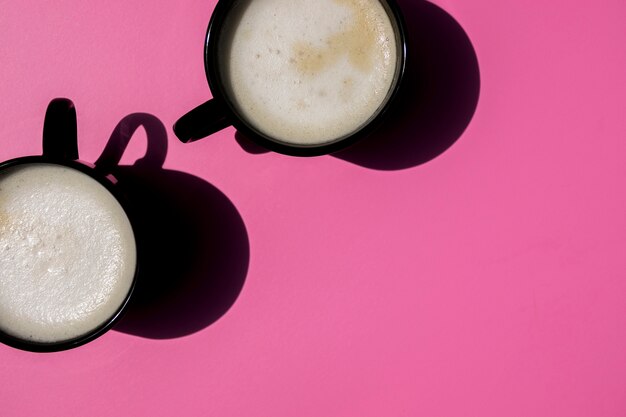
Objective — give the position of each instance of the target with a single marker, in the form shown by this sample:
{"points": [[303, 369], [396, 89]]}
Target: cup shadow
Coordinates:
{"points": [[193, 243], [438, 98]]}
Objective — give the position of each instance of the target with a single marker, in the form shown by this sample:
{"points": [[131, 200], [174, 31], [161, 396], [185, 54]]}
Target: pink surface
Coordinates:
{"points": [[489, 281]]}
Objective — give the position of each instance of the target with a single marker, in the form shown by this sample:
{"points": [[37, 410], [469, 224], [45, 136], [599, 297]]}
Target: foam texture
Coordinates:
{"points": [[67, 253], [308, 72]]}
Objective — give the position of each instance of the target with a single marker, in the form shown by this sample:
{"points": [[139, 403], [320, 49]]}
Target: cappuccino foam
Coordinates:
{"points": [[308, 72], [67, 253]]}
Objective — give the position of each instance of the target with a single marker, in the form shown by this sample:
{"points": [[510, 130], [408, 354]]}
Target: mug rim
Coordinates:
{"points": [[216, 85], [110, 186]]}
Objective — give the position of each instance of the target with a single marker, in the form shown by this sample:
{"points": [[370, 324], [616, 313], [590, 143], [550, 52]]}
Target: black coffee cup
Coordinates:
{"points": [[60, 149], [221, 112]]}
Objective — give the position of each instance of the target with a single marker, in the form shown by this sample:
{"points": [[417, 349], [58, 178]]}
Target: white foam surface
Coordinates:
{"points": [[308, 72], [67, 253]]}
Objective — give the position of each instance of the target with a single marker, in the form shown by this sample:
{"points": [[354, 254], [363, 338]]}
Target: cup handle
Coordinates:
{"points": [[201, 122], [59, 130]]}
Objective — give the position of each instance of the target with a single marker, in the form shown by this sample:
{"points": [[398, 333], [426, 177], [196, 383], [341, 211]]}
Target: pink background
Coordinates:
{"points": [[488, 281]]}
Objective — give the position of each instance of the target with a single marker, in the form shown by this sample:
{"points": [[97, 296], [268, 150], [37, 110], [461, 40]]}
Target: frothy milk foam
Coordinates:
{"points": [[67, 253], [308, 72]]}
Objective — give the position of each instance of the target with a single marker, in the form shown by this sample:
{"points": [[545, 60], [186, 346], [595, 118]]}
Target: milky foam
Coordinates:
{"points": [[308, 72], [67, 253]]}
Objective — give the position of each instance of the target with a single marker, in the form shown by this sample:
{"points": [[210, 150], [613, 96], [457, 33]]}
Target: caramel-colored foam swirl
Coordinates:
{"points": [[357, 42]]}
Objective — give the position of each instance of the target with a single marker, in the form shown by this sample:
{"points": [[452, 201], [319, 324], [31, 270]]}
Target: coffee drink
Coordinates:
{"points": [[67, 253], [308, 72]]}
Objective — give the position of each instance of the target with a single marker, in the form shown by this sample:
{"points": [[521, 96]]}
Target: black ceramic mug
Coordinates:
{"points": [[231, 67], [39, 257]]}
